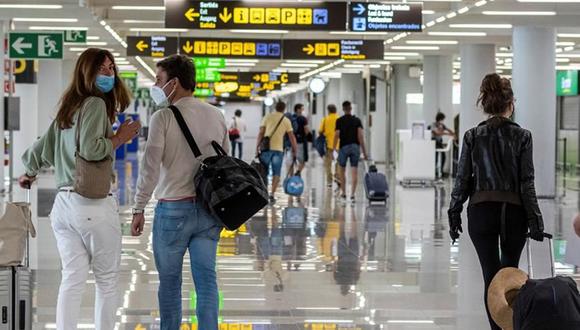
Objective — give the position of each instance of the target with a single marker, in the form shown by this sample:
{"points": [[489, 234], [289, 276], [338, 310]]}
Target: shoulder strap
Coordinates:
{"points": [[277, 126], [185, 131], [78, 130]]}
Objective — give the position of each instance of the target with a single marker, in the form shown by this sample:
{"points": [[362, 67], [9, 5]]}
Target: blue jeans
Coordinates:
{"points": [[179, 226], [239, 144], [349, 152], [274, 159]]}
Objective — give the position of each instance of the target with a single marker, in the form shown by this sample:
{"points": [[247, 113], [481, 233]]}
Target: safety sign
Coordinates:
{"points": [[35, 45], [235, 14], [385, 17], [154, 46], [75, 36], [334, 49]]}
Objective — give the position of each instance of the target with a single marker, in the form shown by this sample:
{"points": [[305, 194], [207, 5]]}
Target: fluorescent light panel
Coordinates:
{"points": [[519, 13], [432, 42], [96, 43], [395, 58], [51, 20], [458, 34], [401, 54], [428, 12], [28, 6], [93, 37], [140, 21], [480, 26], [306, 61], [299, 65], [416, 47], [159, 8], [568, 35], [358, 33], [157, 30], [58, 28]]}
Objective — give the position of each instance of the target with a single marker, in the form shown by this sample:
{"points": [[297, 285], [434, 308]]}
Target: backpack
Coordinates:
{"points": [[294, 120]]}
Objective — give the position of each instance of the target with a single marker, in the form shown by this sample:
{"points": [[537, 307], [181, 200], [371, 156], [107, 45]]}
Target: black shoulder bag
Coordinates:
{"points": [[229, 189], [265, 144]]}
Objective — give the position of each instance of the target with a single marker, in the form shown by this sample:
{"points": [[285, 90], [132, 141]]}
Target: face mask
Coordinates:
{"points": [[158, 95], [105, 83]]}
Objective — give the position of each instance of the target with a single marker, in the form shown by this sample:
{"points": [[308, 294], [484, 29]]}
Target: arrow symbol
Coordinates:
{"points": [[225, 16], [18, 45], [360, 9], [256, 77], [308, 49], [141, 45], [140, 327], [191, 14], [187, 47]]}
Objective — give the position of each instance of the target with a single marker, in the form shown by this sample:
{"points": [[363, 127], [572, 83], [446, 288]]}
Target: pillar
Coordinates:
{"points": [[50, 80], [476, 62], [2, 57], [437, 86], [404, 85], [534, 81], [28, 132]]}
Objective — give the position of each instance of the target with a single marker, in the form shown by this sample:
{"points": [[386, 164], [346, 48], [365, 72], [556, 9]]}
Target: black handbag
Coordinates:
{"points": [[230, 189], [265, 144]]}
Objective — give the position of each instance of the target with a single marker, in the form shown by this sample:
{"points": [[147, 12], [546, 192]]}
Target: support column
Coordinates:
{"points": [[2, 57], [50, 78], [476, 62], [404, 85], [534, 81], [437, 86]]}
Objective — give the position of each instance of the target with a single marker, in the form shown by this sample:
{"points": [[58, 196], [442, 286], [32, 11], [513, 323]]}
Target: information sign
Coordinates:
{"points": [[209, 62], [385, 17], [334, 49], [231, 48], [567, 83], [154, 46], [260, 15]]}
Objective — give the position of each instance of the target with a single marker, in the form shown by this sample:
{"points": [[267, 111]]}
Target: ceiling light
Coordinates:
{"points": [[137, 8], [116, 54], [430, 24], [569, 55], [519, 13], [240, 64], [569, 49], [29, 6], [52, 20], [395, 58], [458, 34], [433, 42], [504, 55], [93, 37], [562, 60], [238, 60], [299, 65], [480, 26], [357, 33], [119, 58], [401, 54], [411, 321], [354, 66], [146, 66], [374, 66], [260, 31], [140, 21], [96, 43], [157, 30], [58, 28], [451, 14], [565, 43], [575, 66], [416, 47], [480, 3], [551, 1], [82, 49], [306, 61], [568, 35], [428, 12], [122, 62], [463, 10], [440, 19], [504, 67]]}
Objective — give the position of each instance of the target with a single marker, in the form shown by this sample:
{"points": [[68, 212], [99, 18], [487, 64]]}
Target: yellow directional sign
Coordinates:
{"points": [[142, 45], [154, 46], [308, 49], [333, 49], [252, 48], [239, 14], [188, 47]]}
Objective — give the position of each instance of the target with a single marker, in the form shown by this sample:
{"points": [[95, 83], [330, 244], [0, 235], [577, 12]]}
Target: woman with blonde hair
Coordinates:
{"points": [[85, 221]]}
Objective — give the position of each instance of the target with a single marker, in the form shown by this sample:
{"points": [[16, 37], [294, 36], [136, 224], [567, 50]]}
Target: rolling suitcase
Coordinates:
{"points": [[547, 304], [16, 294], [376, 186]]}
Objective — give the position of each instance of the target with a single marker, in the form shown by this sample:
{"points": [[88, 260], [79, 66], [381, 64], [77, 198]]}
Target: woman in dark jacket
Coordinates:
{"points": [[496, 173]]}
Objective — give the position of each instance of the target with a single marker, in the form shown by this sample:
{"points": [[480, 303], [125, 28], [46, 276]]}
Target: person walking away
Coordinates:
{"points": [[301, 133], [238, 127], [87, 231], [349, 131], [438, 131], [168, 167], [274, 127], [328, 128], [496, 174]]}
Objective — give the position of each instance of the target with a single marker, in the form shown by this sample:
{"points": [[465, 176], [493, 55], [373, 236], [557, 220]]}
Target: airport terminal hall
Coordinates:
{"points": [[290, 164]]}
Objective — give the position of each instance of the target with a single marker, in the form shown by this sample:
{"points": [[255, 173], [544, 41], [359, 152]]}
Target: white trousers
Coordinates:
{"points": [[88, 235]]}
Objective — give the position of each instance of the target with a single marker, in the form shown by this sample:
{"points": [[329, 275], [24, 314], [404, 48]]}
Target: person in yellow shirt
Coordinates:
{"points": [[274, 126], [328, 129]]}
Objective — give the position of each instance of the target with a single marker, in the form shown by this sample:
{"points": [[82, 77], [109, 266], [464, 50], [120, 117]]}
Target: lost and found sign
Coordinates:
{"points": [[385, 17], [334, 49], [35, 45], [261, 15]]}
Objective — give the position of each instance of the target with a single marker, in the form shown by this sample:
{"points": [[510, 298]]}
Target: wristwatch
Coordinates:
{"points": [[138, 211]]}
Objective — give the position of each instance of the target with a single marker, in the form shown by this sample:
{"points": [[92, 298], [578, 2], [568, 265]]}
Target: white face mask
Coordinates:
{"points": [[158, 95]]}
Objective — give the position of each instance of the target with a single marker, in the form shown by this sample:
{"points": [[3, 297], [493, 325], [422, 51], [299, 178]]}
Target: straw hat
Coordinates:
{"points": [[502, 293]]}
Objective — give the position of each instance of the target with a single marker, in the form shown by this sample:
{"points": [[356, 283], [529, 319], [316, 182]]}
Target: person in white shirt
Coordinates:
{"points": [[237, 131], [168, 167]]}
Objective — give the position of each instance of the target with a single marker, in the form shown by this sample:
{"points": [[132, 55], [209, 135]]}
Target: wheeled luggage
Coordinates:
{"points": [[547, 304], [16, 280], [376, 186]]}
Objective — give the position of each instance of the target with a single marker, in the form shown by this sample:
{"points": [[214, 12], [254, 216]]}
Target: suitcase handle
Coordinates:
{"points": [[529, 253]]}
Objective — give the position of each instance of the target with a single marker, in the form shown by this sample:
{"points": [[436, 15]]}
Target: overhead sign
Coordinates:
{"points": [[385, 17], [567, 83], [334, 49], [209, 62], [154, 46], [261, 15], [35, 45], [75, 36], [130, 80], [207, 75], [233, 48]]}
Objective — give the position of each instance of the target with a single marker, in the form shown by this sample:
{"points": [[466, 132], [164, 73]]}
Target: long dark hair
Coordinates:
{"points": [[496, 94], [83, 86]]}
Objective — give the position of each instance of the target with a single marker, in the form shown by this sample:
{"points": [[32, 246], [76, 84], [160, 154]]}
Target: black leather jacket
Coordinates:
{"points": [[496, 165]]}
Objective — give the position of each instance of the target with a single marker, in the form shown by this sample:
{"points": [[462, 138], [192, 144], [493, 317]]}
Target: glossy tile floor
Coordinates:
{"points": [[316, 264]]}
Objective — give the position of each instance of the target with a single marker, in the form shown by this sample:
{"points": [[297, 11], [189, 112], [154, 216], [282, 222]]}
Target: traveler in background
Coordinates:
{"points": [[349, 131], [301, 133], [239, 125], [496, 173], [328, 128], [87, 231], [438, 131], [168, 168], [275, 126]]}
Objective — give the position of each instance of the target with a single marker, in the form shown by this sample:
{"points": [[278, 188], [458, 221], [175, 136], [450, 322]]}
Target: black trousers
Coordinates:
{"points": [[498, 232]]}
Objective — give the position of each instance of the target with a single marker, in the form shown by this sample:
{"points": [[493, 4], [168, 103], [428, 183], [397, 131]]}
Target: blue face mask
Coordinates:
{"points": [[105, 83]]}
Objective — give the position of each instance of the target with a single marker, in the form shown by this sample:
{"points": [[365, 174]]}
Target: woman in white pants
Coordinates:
{"points": [[87, 231]]}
